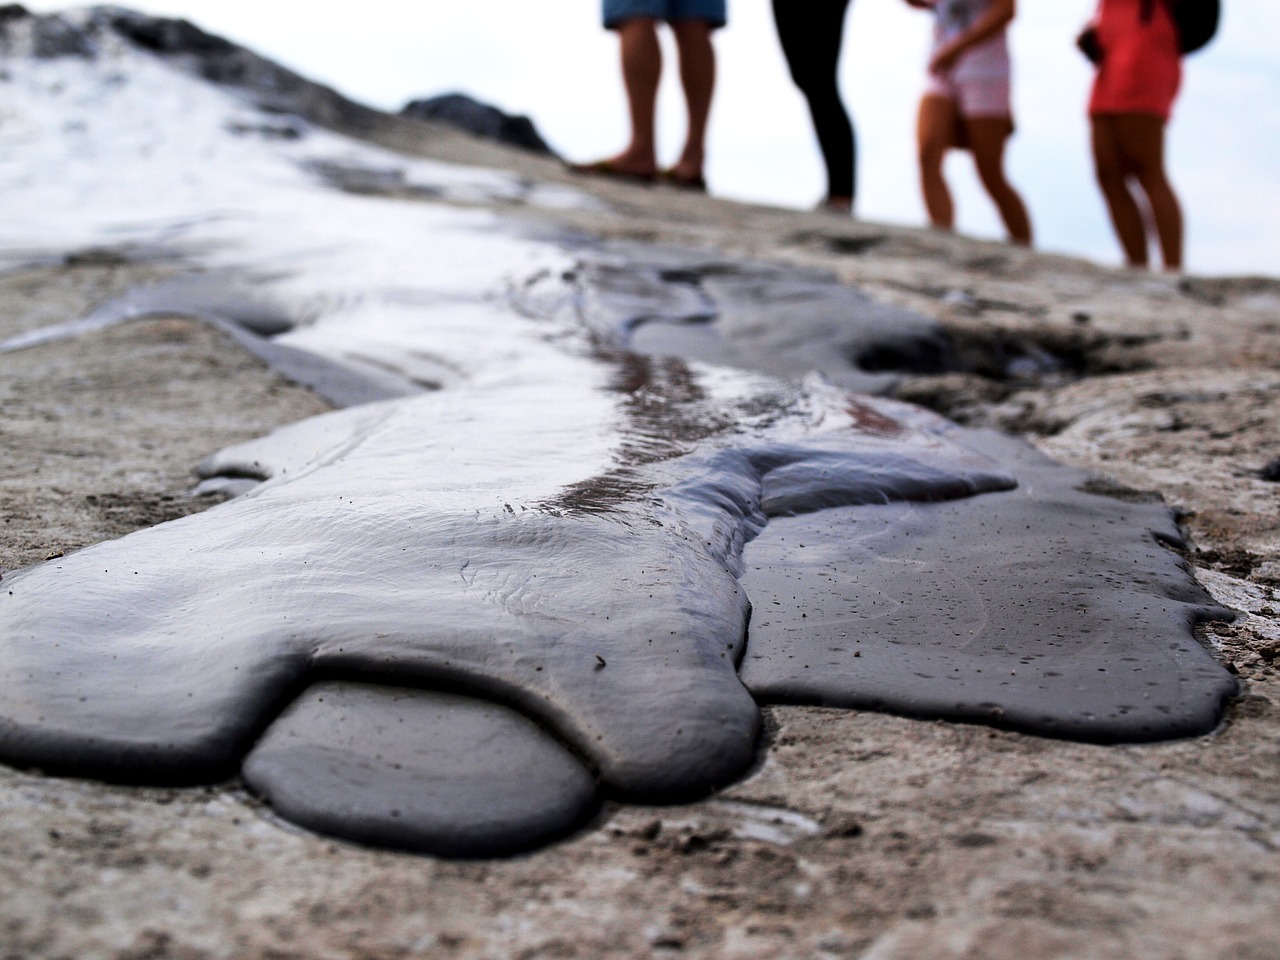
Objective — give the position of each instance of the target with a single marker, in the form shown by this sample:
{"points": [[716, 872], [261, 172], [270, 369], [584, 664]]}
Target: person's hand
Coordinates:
{"points": [[944, 58]]}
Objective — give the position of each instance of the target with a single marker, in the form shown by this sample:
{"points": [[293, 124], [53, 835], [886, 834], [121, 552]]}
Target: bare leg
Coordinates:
{"points": [[1142, 141], [1111, 172], [987, 138], [641, 69], [698, 76], [935, 135]]}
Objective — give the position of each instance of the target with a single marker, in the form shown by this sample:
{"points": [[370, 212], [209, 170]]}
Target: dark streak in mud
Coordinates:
{"points": [[665, 417]]}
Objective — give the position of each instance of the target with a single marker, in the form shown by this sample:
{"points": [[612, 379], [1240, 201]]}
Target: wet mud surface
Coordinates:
{"points": [[1077, 624], [786, 322], [632, 664], [413, 769], [393, 543]]}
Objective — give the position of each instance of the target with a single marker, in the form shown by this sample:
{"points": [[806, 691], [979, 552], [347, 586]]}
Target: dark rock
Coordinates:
{"points": [[481, 119], [843, 825], [273, 88], [95, 257], [165, 35], [287, 128], [1271, 472]]}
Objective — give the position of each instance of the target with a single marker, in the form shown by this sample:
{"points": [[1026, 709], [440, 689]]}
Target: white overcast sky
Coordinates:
{"points": [[551, 60]]}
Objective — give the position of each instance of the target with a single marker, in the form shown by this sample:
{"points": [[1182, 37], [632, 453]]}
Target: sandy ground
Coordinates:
{"points": [[859, 835]]}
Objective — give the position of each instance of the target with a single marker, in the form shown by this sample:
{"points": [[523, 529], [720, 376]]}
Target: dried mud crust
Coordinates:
{"points": [[100, 432], [860, 836]]}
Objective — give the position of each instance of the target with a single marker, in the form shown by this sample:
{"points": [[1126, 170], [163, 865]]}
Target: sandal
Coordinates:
{"points": [[610, 168], [672, 179]]}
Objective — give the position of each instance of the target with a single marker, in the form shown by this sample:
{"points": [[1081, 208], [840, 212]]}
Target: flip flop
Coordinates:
{"points": [[608, 168], [673, 179]]}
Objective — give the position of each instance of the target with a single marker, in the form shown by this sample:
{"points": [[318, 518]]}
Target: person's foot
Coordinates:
{"points": [[675, 177], [619, 168], [687, 171], [838, 205]]}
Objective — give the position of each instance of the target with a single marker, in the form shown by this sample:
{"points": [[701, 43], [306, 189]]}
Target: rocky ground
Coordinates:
{"points": [[859, 835]]}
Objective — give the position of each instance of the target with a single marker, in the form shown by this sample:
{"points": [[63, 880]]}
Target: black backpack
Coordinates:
{"points": [[1196, 20]]}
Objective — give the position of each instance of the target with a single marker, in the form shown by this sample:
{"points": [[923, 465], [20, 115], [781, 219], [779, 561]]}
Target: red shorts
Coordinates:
{"points": [[1141, 65]]}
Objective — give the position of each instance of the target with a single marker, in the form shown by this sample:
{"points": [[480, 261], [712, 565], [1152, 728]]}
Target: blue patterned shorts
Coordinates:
{"points": [[615, 11]]}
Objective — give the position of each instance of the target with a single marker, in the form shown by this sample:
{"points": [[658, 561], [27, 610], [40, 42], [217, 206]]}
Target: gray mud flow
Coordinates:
{"points": [[1047, 609], [786, 322], [419, 770], [392, 544], [253, 317], [553, 569], [559, 570], [524, 536]]}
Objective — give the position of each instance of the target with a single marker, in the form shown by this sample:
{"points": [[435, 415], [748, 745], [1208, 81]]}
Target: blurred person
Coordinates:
{"points": [[966, 105], [1135, 46], [811, 32], [636, 23]]}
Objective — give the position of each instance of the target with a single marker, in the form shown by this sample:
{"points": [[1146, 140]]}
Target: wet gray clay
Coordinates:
{"points": [[1047, 608], [419, 769], [607, 611]]}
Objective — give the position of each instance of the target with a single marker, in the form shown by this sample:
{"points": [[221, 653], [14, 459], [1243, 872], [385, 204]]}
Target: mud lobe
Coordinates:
{"points": [[1079, 624], [443, 765]]}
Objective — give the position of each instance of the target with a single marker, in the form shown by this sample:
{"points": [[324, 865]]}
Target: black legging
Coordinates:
{"points": [[810, 31]]}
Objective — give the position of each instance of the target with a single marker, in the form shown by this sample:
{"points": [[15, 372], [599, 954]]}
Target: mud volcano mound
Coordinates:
{"points": [[587, 504]]}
